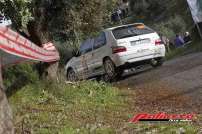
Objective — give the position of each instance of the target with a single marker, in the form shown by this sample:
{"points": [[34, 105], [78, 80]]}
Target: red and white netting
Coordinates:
{"points": [[14, 48]]}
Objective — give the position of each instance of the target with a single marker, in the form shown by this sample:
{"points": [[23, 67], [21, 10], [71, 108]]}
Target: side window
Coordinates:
{"points": [[100, 41], [86, 46]]}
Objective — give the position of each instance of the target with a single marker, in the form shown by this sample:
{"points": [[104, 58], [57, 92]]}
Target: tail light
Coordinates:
{"points": [[118, 49], [158, 42]]}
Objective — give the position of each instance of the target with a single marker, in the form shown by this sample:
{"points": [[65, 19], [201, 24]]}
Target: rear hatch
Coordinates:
{"points": [[137, 39]]}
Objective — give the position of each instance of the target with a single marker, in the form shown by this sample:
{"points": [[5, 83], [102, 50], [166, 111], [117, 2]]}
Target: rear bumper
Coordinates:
{"points": [[133, 60], [135, 56], [128, 65], [121, 60], [141, 58]]}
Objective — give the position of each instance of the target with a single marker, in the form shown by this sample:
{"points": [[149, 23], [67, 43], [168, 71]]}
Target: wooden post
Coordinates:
{"points": [[6, 124], [52, 71]]}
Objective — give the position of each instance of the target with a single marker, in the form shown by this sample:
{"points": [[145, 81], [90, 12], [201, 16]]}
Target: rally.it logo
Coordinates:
{"points": [[162, 117]]}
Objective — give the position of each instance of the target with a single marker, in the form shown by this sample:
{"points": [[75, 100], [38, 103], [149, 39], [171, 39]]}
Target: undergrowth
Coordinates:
{"points": [[85, 107], [48, 107], [190, 48]]}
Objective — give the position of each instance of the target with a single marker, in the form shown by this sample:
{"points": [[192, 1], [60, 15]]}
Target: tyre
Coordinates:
{"points": [[71, 75], [157, 62], [110, 69]]}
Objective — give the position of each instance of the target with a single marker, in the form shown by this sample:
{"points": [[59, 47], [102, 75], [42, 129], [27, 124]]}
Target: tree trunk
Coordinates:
{"points": [[6, 124], [40, 35], [52, 70]]}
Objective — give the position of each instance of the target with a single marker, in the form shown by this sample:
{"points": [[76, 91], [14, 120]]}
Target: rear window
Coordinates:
{"points": [[131, 30]]}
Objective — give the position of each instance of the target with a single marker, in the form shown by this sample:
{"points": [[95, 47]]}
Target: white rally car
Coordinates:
{"points": [[114, 50]]}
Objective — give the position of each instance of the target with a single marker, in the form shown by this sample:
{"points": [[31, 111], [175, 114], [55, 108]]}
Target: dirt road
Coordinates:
{"points": [[174, 87]]}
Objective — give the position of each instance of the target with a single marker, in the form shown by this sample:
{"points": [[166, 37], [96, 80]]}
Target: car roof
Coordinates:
{"points": [[112, 28]]}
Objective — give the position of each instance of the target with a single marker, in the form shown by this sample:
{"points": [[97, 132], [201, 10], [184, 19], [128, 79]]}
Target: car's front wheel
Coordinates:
{"points": [[71, 75]]}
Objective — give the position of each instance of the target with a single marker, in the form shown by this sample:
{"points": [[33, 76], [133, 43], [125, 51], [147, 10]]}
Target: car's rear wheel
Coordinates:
{"points": [[157, 62], [110, 69], [71, 75]]}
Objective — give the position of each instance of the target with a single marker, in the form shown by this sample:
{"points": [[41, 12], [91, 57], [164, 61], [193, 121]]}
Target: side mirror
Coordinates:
{"points": [[76, 53]]}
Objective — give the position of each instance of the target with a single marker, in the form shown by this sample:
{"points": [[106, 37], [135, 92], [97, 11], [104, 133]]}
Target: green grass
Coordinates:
{"points": [[166, 128], [47, 107], [86, 107]]}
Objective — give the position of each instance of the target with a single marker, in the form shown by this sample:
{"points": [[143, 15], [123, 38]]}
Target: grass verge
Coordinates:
{"points": [[47, 107], [86, 107]]}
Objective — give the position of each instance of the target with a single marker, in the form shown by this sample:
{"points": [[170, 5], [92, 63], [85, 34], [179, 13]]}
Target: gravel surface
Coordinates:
{"points": [[176, 87]]}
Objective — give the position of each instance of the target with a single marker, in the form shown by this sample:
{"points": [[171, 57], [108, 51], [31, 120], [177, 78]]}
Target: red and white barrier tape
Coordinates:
{"points": [[20, 48]]}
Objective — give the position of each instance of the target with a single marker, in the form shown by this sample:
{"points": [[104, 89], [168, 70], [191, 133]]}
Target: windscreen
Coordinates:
{"points": [[86, 46], [131, 30]]}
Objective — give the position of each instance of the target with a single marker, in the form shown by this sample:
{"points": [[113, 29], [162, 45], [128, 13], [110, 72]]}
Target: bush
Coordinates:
{"points": [[171, 27], [19, 75], [163, 30], [65, 51], [177, 24]]}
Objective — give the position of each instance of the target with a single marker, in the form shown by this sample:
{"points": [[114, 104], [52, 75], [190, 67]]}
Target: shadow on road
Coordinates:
{"points": [[135, 73]]}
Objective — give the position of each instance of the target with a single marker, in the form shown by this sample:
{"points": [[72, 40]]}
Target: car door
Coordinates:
{"points": [[98, 53], [89, 59], [85, 59], [77, 66]]}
